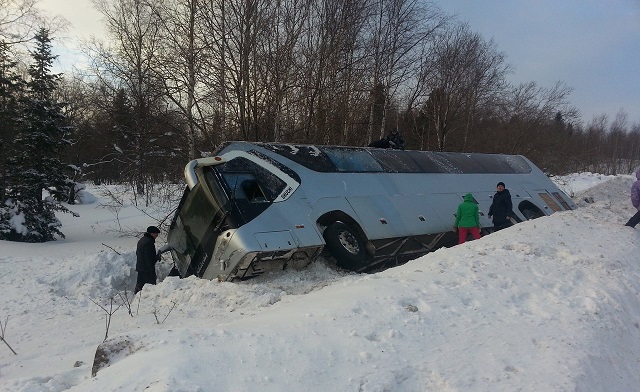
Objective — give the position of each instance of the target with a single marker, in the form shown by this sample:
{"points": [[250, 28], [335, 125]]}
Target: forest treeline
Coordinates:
{"points": [[173, 79]]}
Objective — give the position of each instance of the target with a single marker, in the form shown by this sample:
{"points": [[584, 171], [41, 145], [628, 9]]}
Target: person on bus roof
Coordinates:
{"points": [[467, 219], [382, 143], [501, 208], [396, 141], [146, 258]]}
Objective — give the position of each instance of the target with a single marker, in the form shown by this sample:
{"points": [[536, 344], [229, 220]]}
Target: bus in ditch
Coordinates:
{"points": [[255, 206]]}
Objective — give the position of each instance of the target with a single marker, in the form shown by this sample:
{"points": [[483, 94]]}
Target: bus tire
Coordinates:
{"points": [[346, 245]]}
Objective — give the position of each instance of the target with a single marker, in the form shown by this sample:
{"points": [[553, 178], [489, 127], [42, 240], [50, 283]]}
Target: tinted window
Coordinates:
{"points": [[307, 156], [194, 219], [501, 164], [245, 186], [355, 159], [442, 162], [352, 160], [247, 180], [418, 162], [285, 169]]}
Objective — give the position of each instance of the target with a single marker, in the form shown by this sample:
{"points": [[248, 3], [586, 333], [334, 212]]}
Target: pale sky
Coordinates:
{"points": [[591, 45], [84, 22], [81, 14]]}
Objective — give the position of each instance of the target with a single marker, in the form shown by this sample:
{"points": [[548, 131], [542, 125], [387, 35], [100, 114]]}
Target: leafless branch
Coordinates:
{"points": [[108, 313], [155, 313], [3, 328], [119, 254], [124, 297]]}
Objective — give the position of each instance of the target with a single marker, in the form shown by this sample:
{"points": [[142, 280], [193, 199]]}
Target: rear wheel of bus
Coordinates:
{"points": [[346, 245]]}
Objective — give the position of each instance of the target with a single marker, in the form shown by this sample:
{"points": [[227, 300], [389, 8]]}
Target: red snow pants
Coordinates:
{"points": [[462, 233]]}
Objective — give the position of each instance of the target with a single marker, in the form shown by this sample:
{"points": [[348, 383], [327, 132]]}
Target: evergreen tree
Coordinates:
{"points": [[35, 166], [11, 88]]}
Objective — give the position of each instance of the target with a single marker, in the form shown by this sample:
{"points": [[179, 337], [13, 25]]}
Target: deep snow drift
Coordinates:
{"points": [[548, 305]]}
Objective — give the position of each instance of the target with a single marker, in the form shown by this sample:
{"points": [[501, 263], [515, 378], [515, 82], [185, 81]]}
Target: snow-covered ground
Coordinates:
{"points": [[548, 305]]}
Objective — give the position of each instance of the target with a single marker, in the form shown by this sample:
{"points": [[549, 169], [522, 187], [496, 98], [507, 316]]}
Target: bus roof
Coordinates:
{"points": [[329, 159]]}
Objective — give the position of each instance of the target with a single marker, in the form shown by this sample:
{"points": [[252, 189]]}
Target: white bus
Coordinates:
{"points": [[256, 206]]}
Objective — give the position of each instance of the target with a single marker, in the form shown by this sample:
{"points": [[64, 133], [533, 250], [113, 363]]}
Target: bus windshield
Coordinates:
{"points": [[201, 214], [226, 196]]}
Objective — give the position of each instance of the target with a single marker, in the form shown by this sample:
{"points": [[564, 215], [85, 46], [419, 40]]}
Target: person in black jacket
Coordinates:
{"points": [[382, 143], [501, 208], [396, 141], [146, 258]]}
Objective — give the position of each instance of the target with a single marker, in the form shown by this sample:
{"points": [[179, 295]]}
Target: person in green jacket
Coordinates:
{"points": [[467, 219]]}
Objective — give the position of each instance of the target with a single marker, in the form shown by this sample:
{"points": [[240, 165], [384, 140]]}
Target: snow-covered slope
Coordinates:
{"points": [[547, 305]]}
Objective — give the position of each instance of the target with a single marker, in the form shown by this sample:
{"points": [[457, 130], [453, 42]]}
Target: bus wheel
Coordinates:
{"points": [[346, 246]]}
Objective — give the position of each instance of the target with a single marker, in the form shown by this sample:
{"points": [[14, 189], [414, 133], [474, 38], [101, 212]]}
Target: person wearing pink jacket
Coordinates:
{"points": [[635, 200]]}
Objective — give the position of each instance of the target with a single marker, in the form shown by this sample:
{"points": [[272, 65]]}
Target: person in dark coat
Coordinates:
{"points": [[501, 208], [146, 258], [635, 200], [382, 143], [396, 141]]}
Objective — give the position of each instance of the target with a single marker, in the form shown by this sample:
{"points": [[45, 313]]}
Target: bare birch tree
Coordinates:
{"points": [[398, 31], [467, 72], [617, 138], [127, 62], [180, 65], [246, 21], [18, 20], [528, 109], [334, 57], [282, 67]]}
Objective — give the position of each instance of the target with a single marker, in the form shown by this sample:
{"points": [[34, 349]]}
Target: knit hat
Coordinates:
{"points": [[152, 229], [500, 183]]}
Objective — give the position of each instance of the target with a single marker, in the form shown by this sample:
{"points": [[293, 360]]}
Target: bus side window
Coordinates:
{"points": [[261, 186], [252, 191]]}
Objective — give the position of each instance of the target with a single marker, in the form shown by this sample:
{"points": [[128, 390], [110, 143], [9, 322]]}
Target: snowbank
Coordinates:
{"points": [[549, 304]]}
